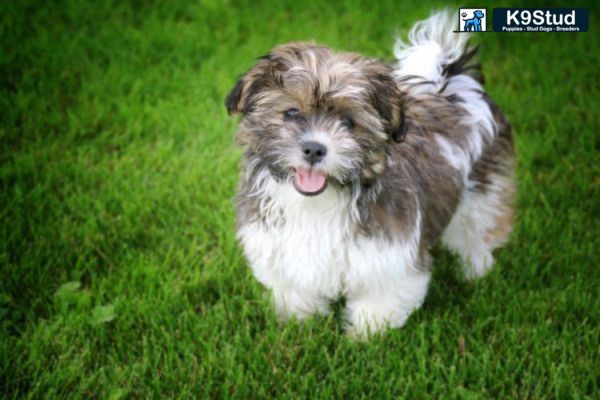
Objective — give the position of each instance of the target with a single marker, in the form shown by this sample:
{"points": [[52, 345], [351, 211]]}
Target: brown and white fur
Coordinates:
{"points": [[353, 169]]}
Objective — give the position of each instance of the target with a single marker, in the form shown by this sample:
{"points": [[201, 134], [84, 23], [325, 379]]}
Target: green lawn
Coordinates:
{"points": [[120, 276]]}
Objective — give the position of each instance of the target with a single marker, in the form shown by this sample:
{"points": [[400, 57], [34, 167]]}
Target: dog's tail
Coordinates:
{"points": [[435, 53]]}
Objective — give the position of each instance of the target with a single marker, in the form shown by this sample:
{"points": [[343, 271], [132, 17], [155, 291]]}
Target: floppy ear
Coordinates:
{"points": [[399, 134], [233, 100], [240, 98], [387, 101], [261, 76]]}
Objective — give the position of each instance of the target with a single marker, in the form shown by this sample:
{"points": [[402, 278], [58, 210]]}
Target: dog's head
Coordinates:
{"points": [[317, 117], [478, 14]]}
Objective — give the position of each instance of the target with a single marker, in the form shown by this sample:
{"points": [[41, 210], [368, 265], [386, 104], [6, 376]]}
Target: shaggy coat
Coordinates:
{"points": [[353, 169]]}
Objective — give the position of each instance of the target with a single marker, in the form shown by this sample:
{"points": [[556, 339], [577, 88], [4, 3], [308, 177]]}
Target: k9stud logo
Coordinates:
{"points": [[541, 19], [472, 19]]}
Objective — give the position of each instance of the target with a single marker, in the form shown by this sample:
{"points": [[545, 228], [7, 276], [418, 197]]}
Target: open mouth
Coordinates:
{"points": [[309, 182]]}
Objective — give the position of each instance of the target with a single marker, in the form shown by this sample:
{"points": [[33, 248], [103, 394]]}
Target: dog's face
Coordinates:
{"points": [[478, 14], [316, 117]]}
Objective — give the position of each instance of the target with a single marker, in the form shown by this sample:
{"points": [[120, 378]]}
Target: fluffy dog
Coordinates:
{"points": [[353, 169]]}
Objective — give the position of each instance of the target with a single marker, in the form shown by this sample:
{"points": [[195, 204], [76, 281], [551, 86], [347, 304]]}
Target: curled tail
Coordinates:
{"points": [[438, 78], [435, 53], [436, 72]]}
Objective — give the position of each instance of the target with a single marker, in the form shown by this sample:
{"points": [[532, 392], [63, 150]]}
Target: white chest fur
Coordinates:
{"points": [[302, 242], [311, 244]]}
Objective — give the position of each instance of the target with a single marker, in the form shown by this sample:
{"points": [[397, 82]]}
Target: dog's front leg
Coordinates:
{"points": [[386, 301], [292, 302]]}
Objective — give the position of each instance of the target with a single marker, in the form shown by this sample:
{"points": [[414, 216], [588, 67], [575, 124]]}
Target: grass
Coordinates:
{"points": [[120, 273]]}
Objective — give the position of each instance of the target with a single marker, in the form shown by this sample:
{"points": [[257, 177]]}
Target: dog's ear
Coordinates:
{"points": [[386, 98], [399, 134], [234, 98], [240, 98], [260, 77]]}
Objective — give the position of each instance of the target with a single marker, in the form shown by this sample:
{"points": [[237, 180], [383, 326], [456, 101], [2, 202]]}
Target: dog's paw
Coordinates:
{"points": [[364, 332], [363, 324], [476, 265], [290, 304]]}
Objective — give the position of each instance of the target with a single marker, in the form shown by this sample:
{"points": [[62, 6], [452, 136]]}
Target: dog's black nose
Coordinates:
{"points": [[313, 152]]}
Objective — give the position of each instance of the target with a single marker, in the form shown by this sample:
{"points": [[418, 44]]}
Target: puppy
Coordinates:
{"points": [[353, 169]]}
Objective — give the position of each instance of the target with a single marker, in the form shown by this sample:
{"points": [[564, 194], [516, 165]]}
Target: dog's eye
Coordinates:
{"points": [[291, 113], [348, 123]]}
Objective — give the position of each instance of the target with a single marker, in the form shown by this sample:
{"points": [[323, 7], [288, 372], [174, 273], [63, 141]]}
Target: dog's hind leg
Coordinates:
{"points": [[483, 222], [484, 218]]}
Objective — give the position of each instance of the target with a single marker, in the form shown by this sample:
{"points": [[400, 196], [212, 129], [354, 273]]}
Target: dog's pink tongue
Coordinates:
{"points": [[309, 180]]}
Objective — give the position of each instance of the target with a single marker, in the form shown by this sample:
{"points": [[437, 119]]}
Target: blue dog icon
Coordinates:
{"points": [[474, 24]]}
